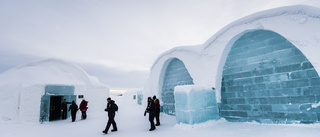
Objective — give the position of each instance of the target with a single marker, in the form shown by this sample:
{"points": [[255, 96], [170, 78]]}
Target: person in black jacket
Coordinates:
{"points": [[111, 108], [74, 108], [151, 110], [64, 109]]}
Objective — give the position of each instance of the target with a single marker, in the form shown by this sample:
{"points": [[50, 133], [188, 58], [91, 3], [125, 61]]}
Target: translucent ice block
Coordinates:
{"points": [[195, 104]]}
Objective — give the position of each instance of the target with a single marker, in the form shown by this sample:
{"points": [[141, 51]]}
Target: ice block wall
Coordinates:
{"points": [[175, 74], [195, 104], [267, 79]]}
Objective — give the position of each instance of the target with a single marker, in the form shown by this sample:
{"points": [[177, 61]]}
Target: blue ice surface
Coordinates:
{"points": [[268, 80], [175, 74], [139, 99], [195, 106]]}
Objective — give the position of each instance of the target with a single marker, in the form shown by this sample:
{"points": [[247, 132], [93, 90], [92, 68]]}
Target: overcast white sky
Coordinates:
{"points": [[115, 40]]}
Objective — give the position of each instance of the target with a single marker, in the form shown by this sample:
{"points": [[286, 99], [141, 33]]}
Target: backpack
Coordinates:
{"points": [[115, 107], [157, 104]]}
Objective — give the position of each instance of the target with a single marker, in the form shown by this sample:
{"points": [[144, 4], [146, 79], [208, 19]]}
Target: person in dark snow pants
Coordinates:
{"points": [[157, 111], [151, 110], [111, 109], [83, 108], [74, 108], [64, 109]]}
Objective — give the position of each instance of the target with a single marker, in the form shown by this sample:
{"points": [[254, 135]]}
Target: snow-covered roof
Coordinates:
{"points": [[49, 71], [306, 11]]}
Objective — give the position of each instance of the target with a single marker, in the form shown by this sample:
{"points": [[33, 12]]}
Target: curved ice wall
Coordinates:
{"points": [[266, 78], [261, 70], [175, 74]]}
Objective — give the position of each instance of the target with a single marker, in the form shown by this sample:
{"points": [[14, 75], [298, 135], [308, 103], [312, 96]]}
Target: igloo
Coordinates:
{"points": [[263, 67], [34, 91]]}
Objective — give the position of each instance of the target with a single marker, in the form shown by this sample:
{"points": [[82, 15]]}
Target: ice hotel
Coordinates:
{"points": [[263, 67]]}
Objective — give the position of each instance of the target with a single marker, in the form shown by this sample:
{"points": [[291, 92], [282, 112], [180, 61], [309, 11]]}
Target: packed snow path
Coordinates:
{"points": [[132, 123]]}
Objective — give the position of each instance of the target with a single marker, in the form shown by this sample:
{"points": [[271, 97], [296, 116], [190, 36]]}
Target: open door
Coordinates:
{"points": [[50, 108], [55, 107]]}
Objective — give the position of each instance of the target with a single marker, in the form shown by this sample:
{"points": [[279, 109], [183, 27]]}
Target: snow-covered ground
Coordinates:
{"points": [[131, 122]]}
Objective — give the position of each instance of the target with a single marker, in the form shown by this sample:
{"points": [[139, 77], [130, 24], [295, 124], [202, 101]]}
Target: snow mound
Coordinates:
{"points": [[50, 71]]}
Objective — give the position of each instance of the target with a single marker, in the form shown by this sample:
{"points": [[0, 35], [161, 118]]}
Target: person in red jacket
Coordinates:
{"points": [[83, 108], [157, 114]]}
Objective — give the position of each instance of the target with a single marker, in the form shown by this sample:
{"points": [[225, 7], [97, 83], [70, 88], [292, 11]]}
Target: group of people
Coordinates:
{"points": [[153, 108], [74, 109]]}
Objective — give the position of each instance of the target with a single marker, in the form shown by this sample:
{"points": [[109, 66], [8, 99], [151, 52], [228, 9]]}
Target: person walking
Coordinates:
{"points": [[83, 108], [157, 111], [151, 110], [111, 109], [74, 108], [64, 109]]}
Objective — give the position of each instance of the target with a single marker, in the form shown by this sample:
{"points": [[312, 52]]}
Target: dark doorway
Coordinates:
{"points": [[55, 107]]}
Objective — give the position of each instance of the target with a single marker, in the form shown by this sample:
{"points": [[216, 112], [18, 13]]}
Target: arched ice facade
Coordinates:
{"points": [[263, 67]]}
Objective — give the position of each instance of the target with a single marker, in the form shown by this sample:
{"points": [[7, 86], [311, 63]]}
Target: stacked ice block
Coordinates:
{"points": [[195, 104]]}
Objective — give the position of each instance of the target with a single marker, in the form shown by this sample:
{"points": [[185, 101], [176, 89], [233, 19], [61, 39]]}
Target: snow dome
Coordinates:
{"points": [[34, 91], [263, 67]]}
